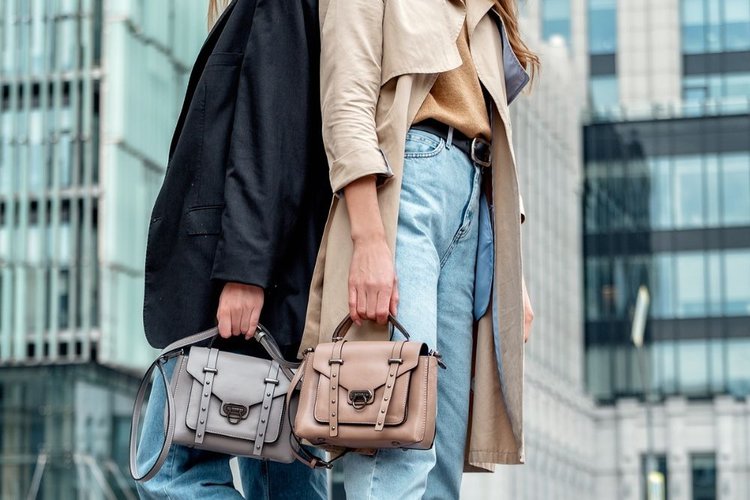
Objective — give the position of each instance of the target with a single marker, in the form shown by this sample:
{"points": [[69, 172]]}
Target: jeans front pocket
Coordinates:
{"points": [[421, 144]]}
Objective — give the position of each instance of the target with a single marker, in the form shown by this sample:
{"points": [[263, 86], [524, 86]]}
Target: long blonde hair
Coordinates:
{"points": [[215, 7], [508, 10]]}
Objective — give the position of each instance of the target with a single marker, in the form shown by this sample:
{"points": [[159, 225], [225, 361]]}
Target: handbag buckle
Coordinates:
{"points": [[234, 412], [360, 399]]}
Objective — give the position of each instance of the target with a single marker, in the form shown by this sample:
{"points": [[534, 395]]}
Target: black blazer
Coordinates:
{"points": [[246, 190]]}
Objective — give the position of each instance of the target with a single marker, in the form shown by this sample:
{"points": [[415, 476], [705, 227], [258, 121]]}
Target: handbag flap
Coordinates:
{"points": [[237, 391], [363, 375]]}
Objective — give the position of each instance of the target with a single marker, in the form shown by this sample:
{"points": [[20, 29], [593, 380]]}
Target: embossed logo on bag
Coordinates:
{"points": [[234, 412], [360, 399]]}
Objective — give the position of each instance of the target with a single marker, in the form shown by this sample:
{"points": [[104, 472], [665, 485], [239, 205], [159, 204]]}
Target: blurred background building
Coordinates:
{"points": [[89, 94], [634, 159], [667, 205]]}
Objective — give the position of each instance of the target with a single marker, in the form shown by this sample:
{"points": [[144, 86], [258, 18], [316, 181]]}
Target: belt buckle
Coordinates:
{"points": [[474, 158]]}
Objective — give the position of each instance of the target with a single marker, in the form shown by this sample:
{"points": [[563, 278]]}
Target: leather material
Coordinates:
{"points": [[368, 394], [222, 402], [239, 381], [365, 368]]}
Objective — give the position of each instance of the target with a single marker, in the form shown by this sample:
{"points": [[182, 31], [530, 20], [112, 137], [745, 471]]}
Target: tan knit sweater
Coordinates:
{"points": [[456, 98]]}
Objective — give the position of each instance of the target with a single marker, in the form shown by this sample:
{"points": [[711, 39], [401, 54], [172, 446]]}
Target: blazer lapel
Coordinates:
{"points": [[197, 71]]}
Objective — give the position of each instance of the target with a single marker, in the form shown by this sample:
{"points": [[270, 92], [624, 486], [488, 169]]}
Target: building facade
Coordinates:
{"points": [[667, 205], [90, 92]]}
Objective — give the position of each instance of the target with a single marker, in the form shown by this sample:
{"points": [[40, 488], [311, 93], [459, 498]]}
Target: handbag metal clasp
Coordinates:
{"points": [[360, 399], [234, 412]]}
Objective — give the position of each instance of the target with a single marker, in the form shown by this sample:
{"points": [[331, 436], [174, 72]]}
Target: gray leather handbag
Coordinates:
{"points": [[221, 401]]}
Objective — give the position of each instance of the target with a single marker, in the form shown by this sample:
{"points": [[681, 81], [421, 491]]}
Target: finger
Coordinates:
{"points": [[372, 303], [245, 321], [382, 306], [353, 306], [254, 318], [394, 298], [236, 318], [225, 323], [361, 304]]}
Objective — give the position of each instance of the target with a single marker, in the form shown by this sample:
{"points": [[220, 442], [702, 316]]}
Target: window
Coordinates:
{"points": [[732, 87], [688, 192], [692, 356], [659, 478], [604, 93], [735, 189], [715, 26], [602, 26], [690, 286], [556, 19], [736, 25], [737, 367], [703, 468], [737, 283]]}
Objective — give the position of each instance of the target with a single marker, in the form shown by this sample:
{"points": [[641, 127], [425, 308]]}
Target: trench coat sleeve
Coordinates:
{"points": [[269, 151], [351, 52]]}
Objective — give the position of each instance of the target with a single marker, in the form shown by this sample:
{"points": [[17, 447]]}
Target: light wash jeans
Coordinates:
{"points": [[436, 247], [191, 474]]}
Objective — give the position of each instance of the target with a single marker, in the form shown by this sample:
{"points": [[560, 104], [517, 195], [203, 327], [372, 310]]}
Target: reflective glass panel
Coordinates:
{"points": [[737, 282], [602, 26]]}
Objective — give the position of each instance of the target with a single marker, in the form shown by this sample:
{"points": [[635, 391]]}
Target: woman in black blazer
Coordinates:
{"points": [[236, 226]]}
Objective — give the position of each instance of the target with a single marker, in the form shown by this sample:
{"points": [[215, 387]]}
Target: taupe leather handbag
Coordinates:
{"points": [[368, 394], [221, 401]]}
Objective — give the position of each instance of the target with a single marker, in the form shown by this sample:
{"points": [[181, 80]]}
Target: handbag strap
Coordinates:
{"points": [[169, 431], [346, 323], [298, 449], [262, 336]]}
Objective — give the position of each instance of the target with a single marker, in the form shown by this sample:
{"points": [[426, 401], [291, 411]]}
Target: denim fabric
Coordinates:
{"points": [[485, 267], [190, 473], [436, 246]]}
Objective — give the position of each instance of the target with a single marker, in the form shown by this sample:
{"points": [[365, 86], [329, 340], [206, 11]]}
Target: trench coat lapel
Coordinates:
{"points": [[503, 79]]}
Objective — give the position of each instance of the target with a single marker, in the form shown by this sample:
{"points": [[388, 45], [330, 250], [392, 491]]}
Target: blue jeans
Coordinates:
{"points": [[189, 473], [436, 247]]}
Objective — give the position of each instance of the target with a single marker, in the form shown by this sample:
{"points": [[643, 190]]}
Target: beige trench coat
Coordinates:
{"points": [[379, 61]]}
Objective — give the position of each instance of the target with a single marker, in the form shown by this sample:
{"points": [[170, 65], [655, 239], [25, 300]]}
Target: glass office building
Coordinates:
{"points": [[667, 205], [90, 93], [666, 198]]}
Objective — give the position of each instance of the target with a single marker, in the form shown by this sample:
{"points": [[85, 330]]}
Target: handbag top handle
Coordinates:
{"points": [[340, 332]]}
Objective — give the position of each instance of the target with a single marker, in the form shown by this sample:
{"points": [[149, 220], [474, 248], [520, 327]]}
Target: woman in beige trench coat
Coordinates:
{"points": [[405, 88]]}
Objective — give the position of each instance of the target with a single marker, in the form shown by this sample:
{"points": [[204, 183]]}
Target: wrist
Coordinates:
{"points": [[369, 235]]}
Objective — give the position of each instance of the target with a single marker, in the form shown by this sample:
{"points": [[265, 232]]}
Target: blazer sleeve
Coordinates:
{"points": [[274, 137], [351, 53]]}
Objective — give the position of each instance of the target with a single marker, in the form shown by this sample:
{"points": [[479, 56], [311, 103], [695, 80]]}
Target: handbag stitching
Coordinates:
{"points": [[424, 400]]}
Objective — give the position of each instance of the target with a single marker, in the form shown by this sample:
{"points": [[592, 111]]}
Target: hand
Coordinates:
{"points": [[373, 286], [528, 312], [239, 310]]}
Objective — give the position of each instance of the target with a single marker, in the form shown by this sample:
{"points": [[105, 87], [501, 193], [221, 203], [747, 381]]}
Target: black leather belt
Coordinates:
{"points": [[477, 148]]}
